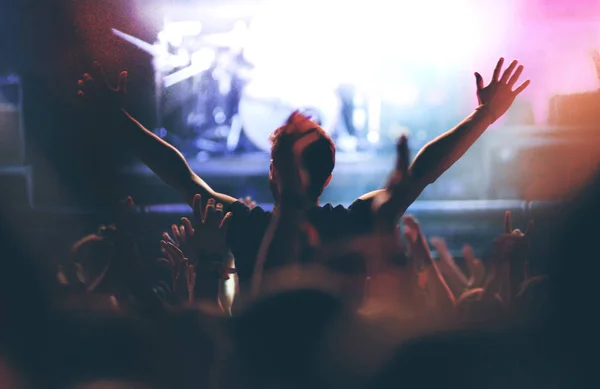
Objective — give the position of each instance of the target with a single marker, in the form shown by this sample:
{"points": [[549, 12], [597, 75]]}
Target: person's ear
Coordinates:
{"points": [[327, 181], [271, 171]]}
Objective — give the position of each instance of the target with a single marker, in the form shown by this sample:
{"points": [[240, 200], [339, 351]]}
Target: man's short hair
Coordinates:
{"points": [[318, 158]]}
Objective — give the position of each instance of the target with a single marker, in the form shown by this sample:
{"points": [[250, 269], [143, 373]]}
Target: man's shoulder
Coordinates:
{"points": [[357, 205], [241, 208], [243, 216], [342, 217]]}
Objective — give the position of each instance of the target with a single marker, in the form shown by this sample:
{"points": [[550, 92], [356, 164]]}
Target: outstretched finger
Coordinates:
{"points": [[164, 248], [187, 225], [468, 254], [410, 221], [508, 71], [479, 81], [197, 209], [182, 234], [440, 245], [225, 221], [176, 236], [174, 251], [522, 87], [219, 213], [122, 83], [515, 77], [507, 223], [167, 238], [403, 155], [497, 70], [209, 212]]}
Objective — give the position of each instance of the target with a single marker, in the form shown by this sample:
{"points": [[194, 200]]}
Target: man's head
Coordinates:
{"points": [[318, 158]]}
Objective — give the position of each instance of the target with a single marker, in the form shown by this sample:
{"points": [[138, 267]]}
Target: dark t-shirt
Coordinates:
{"points": [[247, 228]]}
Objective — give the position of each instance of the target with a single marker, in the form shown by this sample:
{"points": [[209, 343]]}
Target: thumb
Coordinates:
{"points": [[122, 85], [225, 221], [402, 155], [478, 81], [468, 255]]}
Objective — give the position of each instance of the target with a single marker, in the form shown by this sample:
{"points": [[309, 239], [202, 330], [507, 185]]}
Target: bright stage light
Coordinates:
{"points": [[373, 44], [174, 32]]}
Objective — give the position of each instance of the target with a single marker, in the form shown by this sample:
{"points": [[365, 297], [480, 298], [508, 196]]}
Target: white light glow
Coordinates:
{"points": [[174, 32], [370, 44]]}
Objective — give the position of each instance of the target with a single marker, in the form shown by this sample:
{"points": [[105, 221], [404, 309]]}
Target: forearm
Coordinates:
{"points": [[441, 153], [162, 158], [435, 158]]}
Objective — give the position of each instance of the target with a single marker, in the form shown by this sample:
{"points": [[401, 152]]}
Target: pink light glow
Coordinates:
{"points": [[554, 39]]}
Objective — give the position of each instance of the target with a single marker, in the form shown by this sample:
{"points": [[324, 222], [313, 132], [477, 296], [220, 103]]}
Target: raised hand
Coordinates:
{"points": [[183, 274], [391, 203], [183, 238], [516, 232], [499, 95], [429, 275], [96, 89], [509, 266], [209, 227], [205, 237]]}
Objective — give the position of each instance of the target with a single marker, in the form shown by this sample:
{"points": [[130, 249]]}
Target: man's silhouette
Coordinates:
{"points": [[248, 226]]}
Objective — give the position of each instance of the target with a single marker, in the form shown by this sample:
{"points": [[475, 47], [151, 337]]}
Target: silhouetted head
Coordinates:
{"points": [[278, 338], [318, 157]]}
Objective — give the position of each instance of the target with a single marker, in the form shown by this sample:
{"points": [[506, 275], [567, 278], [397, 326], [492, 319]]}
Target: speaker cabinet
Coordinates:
{"points": [[541, 163]]}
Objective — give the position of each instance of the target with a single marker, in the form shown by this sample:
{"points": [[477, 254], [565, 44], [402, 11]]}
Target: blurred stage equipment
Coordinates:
{"points": [[266, 104], [581, 109], [540, 162], [12, 144], [209, 96]]}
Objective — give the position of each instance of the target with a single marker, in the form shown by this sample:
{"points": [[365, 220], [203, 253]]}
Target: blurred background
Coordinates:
{"points": [[215, 77]]}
